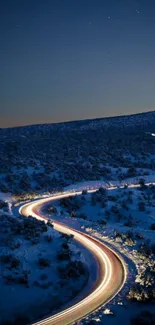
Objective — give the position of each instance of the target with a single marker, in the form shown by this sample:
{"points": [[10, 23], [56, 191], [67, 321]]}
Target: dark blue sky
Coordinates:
{"points": [[66, 60]]}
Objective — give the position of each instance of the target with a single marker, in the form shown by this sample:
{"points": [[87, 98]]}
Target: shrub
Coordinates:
{"points": [[82, 216], [144, 318], [44, 262], [139, 236], [34, 241], [65, 245], [16, 244], [114, 209], [8, 277], [49, 223], [43, 276], [6, 258], [15, 262], [142, 182], [67, 237], [52, 209], [73, 214], [153, 248], [129, 223], [112, 198], [153, 226], [102, 222], [73, 270], [3, 205], [102, 190], [23, 278], [64, 255], [145, 249], [141, 206], [48, 238]]}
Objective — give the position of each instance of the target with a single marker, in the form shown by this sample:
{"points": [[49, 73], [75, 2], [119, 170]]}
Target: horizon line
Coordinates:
{"points": [[76, 120]]}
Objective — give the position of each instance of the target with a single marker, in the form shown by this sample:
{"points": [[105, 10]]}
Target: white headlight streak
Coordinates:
{"points": [[112, 269]]}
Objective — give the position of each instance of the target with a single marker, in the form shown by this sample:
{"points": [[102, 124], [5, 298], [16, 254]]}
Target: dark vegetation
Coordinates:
{"points": [[144, 318], [17, 235], [83, 147]]}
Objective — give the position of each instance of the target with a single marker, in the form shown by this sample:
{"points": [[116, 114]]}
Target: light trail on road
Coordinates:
{"points": [[112, 271]]}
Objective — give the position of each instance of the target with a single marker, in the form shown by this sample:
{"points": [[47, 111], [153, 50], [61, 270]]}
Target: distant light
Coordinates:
{"points": [[153, 134]]}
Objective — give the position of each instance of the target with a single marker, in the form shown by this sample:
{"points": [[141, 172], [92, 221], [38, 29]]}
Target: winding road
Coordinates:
{"points": [[111, 268]]}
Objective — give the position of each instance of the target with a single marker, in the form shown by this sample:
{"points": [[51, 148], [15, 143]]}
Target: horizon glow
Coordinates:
{"points": [[63, 61]]}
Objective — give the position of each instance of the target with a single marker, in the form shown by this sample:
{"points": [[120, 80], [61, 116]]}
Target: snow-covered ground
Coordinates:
{"points": [[40, 269], [121, 216], [37, 161], [124, 218]]}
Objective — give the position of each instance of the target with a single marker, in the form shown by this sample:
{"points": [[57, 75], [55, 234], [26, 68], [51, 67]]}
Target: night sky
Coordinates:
{"points": [[65, 60]]}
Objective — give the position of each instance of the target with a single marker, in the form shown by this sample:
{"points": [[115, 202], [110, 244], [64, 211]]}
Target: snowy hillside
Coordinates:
{"points": [[42, 158]]}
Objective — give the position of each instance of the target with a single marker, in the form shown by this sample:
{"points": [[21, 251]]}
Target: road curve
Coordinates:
{"points": [[111, 269]]}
